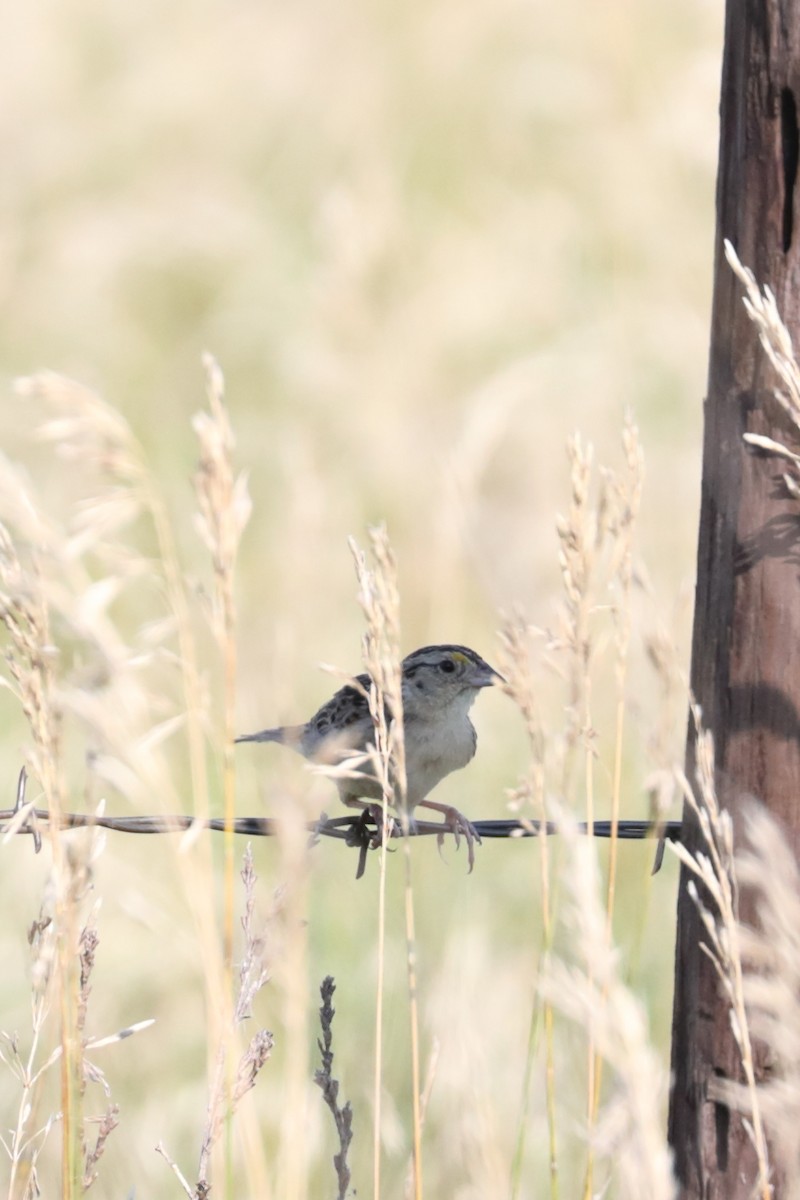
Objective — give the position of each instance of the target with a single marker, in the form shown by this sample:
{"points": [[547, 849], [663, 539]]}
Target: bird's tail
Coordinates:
{"points": [[286, 735]]}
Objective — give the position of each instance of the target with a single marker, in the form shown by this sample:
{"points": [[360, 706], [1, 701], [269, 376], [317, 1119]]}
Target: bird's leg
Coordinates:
{"points": [[359, 834], [373, 810], [458, 825]]}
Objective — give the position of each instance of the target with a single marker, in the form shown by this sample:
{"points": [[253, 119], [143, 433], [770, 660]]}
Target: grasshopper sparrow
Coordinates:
{"points": [[439, 686]]}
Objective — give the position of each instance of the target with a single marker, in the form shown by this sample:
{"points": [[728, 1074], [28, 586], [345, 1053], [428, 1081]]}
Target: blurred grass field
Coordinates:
{"points": [[425, 242]]}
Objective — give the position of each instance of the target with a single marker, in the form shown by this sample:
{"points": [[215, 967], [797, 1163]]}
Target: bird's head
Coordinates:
{"points": [[436, 676]]}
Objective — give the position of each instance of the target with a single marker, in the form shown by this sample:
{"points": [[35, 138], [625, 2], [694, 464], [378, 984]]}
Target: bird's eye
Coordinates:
{"points": [[448, 666]]}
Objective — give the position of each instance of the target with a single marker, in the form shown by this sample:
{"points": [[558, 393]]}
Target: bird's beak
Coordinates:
{"points": [[485, 676]]}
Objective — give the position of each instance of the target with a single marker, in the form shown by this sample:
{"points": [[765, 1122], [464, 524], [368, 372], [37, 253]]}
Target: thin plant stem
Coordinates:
{"points": [[229, 811], [580, 535], [540, 1013], [612, 878], [616, 790], [223, 511], [520, 687], [30, 1086], [293, 1172], [46, 736], [576, 561], [547, 929], [716, 869], [229, 778], [67, 987], [550, 1068], [380, 600], [591, 1051], [527, 1078], [627, 494], [550, 1092], [411, 961], [378, 1082]]}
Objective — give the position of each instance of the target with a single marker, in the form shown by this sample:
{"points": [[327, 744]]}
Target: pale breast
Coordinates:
{"points": [[434, 750], [436, 744]]}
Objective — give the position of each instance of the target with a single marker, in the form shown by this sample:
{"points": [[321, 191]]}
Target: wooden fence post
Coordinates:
{"points": [[746, 642]]}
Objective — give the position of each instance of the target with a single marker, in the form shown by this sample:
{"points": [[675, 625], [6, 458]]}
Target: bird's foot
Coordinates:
{"points": [[387, 830], [456, 823]]}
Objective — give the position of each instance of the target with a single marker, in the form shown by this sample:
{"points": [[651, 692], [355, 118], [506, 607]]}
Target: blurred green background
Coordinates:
{"points": [[425, 241]]}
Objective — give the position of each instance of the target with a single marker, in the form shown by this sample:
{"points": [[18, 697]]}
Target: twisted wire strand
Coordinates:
{"points": [[360, 830], [333, 827]]}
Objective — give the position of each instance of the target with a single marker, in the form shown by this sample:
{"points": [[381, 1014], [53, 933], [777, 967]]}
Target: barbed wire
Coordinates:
{"points": [[362, 830]]}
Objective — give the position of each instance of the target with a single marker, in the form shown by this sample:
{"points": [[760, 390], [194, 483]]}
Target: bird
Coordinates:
{"points": [[439, 686]]}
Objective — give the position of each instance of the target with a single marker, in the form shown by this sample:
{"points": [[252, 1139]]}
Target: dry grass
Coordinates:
{"points": [[380, 600], [590, 643], [420, 240], [756, 964], [626, 1134], [342, 1114], [777, 345], [718, 906], [771, 956]]}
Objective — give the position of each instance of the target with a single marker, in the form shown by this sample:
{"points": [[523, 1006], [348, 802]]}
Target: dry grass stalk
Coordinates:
{"points": [[776, 342], [223, 511], [673, 685], [181, 1178], [25, 1142], [715, 869], [108, 1122], [323, 1077], [596, 560], [223, 501], [92, 1155], [430, 1077], [87, 561], [770, 951], [625, 494], [595, 533], [579, 535], [229, 1086], [628, 1133], [28, 1136], [84, 565], [762, 309], [32, 662], [30, 659], [532, 794], [87, 430], [770, 984], [380, 601]]}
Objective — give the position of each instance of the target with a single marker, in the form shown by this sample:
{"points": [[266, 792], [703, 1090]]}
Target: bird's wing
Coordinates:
{"points": [[343, 719], [341, 726]]}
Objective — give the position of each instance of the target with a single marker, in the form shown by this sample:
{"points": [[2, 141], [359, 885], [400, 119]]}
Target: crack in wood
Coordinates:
{"points": [[789, 147]]}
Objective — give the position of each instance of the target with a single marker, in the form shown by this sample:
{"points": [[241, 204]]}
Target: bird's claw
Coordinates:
{"points": [[376, 812], [456, 823], [362, 835]]}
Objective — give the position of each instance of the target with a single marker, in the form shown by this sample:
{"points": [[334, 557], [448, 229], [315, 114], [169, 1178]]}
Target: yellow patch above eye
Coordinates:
{"points": [[459, 657]]}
